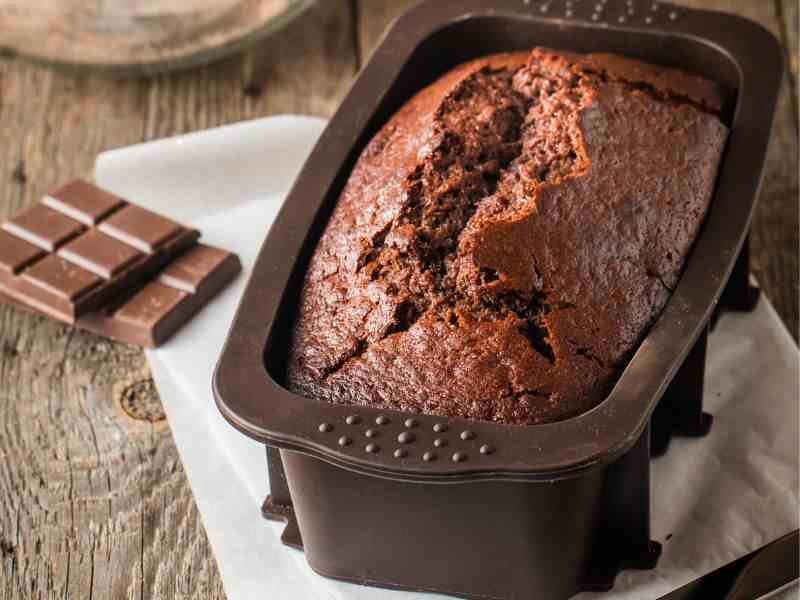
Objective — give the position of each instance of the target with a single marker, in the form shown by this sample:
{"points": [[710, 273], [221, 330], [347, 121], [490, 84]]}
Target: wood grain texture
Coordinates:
{"points": [[92, 503], [790, 21], [374, 16]]}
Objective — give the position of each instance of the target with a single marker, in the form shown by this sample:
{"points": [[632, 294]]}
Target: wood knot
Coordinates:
{"points": [[253, 90], [140, 401], [18, 174], [6, 548]]}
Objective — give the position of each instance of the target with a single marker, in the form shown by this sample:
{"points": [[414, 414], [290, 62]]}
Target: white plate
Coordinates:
{"points": [[716, 498]]}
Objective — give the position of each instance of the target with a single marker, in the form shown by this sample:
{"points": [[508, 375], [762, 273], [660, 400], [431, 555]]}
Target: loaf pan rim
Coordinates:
{"points": [[253, 402]]}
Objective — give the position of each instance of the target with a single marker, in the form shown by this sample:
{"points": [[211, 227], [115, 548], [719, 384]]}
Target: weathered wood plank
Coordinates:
{"points": [[374, 16], [92, 502], [790, 21], [789, 10]]}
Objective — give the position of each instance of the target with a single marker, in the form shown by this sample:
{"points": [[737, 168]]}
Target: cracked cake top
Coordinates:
{"points": [[506, 239]]}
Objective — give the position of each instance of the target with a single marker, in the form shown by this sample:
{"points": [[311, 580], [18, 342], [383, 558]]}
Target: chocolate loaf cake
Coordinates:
{"points": [[506, 239]]}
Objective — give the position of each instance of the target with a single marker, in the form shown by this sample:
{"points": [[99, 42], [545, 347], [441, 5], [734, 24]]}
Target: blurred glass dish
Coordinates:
{"points": [[130, 37]]}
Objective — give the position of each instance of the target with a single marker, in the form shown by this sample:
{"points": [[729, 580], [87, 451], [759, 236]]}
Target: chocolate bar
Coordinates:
{"points": [[149, 315], [77, 249]]}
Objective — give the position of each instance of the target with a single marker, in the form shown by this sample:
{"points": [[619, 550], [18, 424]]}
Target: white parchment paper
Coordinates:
{"points": [[714, 499]]}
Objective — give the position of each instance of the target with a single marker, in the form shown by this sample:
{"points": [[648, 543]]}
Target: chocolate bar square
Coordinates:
{"points": [[139, 227], [191, 271], [147, 308], [99, 253], [83, 202], [43, 227], [60, 277], [16, 253]]}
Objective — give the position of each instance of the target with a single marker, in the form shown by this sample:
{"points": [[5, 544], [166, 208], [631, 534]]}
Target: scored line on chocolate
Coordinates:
{"points": [[99, 253], [16, 254], [140, 228]]}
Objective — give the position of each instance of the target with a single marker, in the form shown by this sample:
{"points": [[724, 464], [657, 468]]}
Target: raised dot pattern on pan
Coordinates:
{"points": [[406, 437], [404, 433], [459, 457], [606, 12]]}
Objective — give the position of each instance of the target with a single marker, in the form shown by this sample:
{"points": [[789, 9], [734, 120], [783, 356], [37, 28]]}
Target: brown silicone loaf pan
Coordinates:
{"points": [[489, 510]]}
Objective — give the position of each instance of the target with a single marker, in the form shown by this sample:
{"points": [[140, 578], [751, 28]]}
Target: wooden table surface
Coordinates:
{"points": [[95, 503]]}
